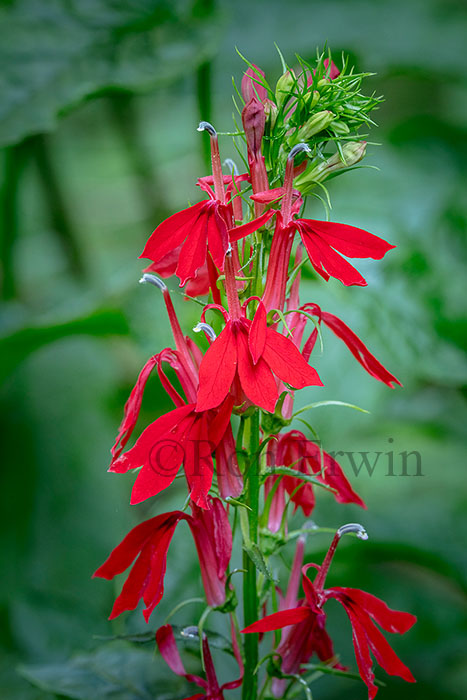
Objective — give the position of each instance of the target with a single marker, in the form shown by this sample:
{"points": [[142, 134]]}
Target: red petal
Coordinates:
{"points": [[349, 240], [287, 363], [257, 380], [268, 196], [122, 556], [168, 648], [193, 252], [327, 262], [171, 232], [250, 86], [217, 370], [132, 408], [359, 350], [390, 620], [198, 461], [235, 234], [218, 235], [333, 474], [278, 620], [257, 333]]}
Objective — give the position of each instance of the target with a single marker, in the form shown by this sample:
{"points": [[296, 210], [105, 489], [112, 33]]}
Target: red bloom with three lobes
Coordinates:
{"points": [[245, 358]]}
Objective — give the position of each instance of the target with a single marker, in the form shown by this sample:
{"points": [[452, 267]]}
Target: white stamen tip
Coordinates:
{"points": [[299, 148], [191, 632], [206, 126], [231, 165], [209, 330], [147, 278], [354, 528]]}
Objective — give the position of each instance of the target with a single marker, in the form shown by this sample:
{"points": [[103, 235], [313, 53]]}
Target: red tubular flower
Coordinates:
{"points": [[323, 240], [212, 690], [167, 266], [294, 450], [252, 353], [183, 435], [149, 542], [363, 610], [356, 346]]}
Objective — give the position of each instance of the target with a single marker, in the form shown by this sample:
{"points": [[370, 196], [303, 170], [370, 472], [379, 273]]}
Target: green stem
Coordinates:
{"points": [[13, 165], [201, 9], [250, 593]]}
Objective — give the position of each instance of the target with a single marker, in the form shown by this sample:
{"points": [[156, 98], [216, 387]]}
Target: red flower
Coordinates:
{"points": [[250, 353], [184, 435], [294, 450], [212, 691], [356, 346], [323, 240], [149, 542], [363, 610]]}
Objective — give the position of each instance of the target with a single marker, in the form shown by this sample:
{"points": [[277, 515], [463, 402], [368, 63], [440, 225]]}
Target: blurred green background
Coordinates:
{"points": [[99, 103]]}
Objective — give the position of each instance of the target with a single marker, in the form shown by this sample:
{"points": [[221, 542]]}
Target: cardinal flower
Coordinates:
{"points": [[249, 354], [294, 450], [200, 229], [325, 241], [356, 346], [148, 544], [363, 609], [212, 690], [183, 435]]}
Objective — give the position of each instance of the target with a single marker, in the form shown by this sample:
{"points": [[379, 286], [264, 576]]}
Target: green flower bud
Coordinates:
{"points": [[311, 99], [353, 152], [284, 86], [340, 128], [318, 122], [270, 112]]}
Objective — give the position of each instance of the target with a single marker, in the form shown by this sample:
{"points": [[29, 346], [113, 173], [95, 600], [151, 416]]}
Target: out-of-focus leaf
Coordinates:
{"points": [[118, 671], [17, 346], [55, 53]]}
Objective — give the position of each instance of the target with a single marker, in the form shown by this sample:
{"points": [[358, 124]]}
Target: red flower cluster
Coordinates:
{"points": [[254, 362]]}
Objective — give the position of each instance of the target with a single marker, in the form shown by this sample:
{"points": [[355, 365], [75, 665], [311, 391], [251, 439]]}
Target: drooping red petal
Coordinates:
{"points": [[194, 250], [268, 196], [229, 476], [168, 648], [217, 370], [390, 620], [349, 240], [198, 460], [257, 333], [235, 234], [126, 552], [171, 232], [138, 454], [278, 620], [359, 349], [287, 363], [257, 380], [327, 262], [333, 475], [362, 655], [132, 408]]}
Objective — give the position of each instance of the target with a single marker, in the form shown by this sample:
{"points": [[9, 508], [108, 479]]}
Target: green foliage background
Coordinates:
{"points": [[98, 109]]}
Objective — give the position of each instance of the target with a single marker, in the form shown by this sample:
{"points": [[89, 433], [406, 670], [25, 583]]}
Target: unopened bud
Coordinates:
{"points": [[253, 123], [353, 152], [284, 87], [270, 112], [318, 122], [311, 98], [340, 128]]}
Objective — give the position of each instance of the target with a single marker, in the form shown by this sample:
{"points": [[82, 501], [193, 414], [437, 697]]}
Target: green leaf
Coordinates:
{"points": [[317, 404], [287, 471], [258, 560], [17, 346], [117, 671], [56, 53]]}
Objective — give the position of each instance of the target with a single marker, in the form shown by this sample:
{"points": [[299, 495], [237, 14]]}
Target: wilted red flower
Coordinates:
{"points": [[309, 634], [250, 353], [294, 450], [149, 542], [212, 690]]}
